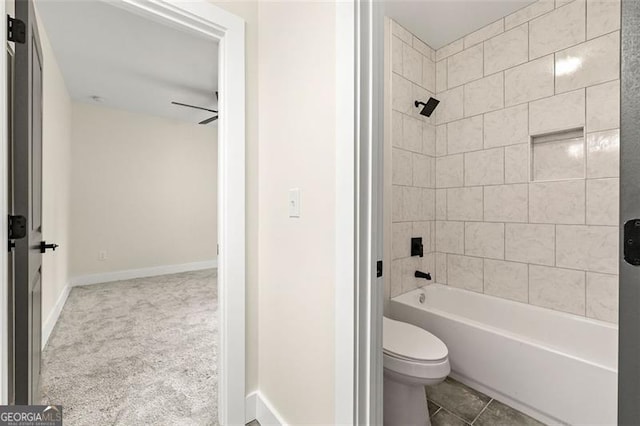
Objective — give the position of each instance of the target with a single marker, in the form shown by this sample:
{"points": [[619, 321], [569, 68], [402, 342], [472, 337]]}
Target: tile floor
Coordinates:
{"points": [[452, 403]]}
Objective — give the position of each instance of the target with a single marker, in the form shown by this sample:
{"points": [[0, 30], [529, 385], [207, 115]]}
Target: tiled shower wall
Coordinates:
{"points": [[547, 235], [412, 145]]}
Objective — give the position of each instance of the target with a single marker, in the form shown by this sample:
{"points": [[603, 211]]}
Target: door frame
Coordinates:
{"points": [[204, 18], [629, 292]]}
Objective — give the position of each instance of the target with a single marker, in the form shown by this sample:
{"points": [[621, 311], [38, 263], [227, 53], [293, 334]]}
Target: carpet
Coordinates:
{"points": [[136, 352]]}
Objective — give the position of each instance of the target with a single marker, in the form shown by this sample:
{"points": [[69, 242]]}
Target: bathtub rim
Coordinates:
{"points": [[506, 333]]}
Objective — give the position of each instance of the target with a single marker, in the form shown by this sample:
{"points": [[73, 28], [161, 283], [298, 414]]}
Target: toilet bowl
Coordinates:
{"points": [[412, 359]]}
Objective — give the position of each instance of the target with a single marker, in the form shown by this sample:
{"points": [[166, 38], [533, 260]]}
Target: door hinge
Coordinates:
{"points": [[379, 268], [16, 30]]}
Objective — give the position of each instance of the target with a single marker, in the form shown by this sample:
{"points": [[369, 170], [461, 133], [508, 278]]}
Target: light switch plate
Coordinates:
{"points": [[294, 202]]}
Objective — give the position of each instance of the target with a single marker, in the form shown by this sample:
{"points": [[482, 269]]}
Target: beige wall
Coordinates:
{"points": [[141, 187], [297, 255], [55, 187]]}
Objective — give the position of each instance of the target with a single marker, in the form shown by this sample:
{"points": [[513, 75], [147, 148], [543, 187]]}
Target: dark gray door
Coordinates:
{"points": [[27, 185]]}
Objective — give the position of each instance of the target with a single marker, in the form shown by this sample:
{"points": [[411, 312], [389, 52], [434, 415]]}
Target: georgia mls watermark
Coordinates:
{"points": [[30, 415]]}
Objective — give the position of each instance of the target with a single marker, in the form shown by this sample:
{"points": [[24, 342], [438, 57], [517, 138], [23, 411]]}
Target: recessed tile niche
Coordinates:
{"points": [[558, 155]]}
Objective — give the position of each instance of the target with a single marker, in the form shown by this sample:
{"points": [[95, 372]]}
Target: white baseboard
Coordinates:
{"points": [[257, 407], [52, 319], [154, 271]]}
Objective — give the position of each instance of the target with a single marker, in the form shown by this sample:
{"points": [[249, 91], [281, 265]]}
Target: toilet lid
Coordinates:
{"points": [[410, 342]]}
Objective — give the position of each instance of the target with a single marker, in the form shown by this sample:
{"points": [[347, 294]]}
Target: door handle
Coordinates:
{"points": [[44, 246]]}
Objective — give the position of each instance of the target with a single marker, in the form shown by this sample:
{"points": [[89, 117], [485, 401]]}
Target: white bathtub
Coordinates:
{"points": [[556, 367]]}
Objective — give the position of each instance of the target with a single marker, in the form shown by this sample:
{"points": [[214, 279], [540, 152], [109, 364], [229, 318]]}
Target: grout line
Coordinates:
{"points": [[483, 410]]}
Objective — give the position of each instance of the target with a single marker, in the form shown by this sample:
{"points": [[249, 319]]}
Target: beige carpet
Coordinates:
{"points": [[137, 352]]}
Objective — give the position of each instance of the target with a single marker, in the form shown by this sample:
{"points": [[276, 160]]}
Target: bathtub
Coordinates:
{"points": [[556, 367]]}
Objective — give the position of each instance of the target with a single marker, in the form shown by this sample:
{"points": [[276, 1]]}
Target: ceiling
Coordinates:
{"points": [[439, 22], [131, 62]]}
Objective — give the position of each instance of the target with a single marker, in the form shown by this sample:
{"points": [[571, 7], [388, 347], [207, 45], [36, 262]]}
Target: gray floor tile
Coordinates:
{"points": [[433, 408], [445, 418], [499, 414], [457, 398]]}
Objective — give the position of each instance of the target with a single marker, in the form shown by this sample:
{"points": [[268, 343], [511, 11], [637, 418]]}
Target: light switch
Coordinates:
{"points": [[294, 202]]}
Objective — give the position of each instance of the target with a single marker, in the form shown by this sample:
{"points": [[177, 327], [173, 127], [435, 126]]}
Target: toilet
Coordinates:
{"points": [[412, 358]]}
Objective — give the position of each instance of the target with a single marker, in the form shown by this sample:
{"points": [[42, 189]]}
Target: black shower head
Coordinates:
{"points": [[431, 104]]}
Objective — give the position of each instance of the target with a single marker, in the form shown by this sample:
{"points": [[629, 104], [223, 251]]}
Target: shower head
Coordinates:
{"points": [[428, 107]]}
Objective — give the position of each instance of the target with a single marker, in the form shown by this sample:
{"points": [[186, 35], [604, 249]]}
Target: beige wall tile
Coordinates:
{"points": [[603, 16], [484, 167], [441, 140], [423, 171], [484, 95], [506, 50], [509, 280], [396, 278], [429, 75], [465, 66], [602, 297], [587, 64], [557, 202], [557, 30], [411, 64], [603, 200], [402, 167], [401, 239], [411, 134], [464, 135], [397, 207], [450, 237], [401, 92], [441, 204], [603, 154], [423, 48], [591, 248], [450, 107], [421, 230], [396, 129], [484, 239], [516, 163], [560, 112], [409, 265], [603, 106], [411, 202], [429, 139], [506, 203], [507, 126], [530, 81], [441, 268], [525, 14], [464, 203], [428, 204], [530, 243], [399, 31], [559, 289], [484, 33], [441, 76], [449, 49], [449, 171], [464, 272], [396, 55]]}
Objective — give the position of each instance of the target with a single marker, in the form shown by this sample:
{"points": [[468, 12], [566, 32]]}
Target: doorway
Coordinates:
{"points": [[227, 30]]}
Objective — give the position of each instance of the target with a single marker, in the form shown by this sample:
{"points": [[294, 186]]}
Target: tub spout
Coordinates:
{"points": [[425, 275]]}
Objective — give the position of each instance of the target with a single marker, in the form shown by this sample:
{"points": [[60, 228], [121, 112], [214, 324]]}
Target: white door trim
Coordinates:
{"points": [[202, 17]]}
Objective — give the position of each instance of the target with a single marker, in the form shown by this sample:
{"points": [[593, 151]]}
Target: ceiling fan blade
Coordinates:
{"points": [[193, 106], [209, 120]]}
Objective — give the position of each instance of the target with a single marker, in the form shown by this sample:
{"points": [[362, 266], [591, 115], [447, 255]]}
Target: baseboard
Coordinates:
{"points": [[257, 407], [141, 273], [52, 319]]}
